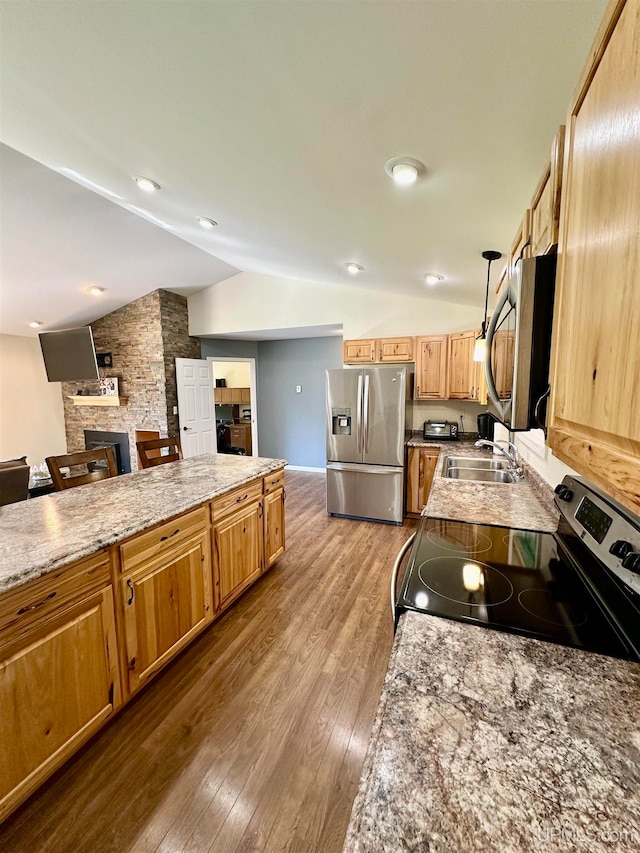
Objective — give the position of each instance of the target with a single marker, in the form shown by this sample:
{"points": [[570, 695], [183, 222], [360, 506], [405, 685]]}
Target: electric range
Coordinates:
{"points": [[579, 586]]}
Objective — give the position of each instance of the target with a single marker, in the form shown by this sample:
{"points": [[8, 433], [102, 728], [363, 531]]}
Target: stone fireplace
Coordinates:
{"points": [[144, 339]]}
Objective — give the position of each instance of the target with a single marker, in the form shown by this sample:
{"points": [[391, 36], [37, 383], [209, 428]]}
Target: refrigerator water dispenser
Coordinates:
{"points": [[341, 421]]}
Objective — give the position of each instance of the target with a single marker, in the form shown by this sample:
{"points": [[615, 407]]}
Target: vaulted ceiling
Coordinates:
{"points": [[275, 119]]}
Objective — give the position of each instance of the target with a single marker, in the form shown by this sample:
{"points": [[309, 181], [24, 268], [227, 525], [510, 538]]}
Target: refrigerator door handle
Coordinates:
{"points": [[365, 408], [359, 416]]}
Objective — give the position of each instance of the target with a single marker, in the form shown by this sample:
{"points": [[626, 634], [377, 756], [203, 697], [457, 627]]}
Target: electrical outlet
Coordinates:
{"points": [[298, 389]]}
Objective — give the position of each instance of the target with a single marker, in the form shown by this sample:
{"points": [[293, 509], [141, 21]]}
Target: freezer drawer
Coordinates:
{"points": [[365, 491]]}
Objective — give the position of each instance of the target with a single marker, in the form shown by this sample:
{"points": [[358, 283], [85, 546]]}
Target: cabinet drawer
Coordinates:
{"points": [[25, 606], [274, 481], [144, 547], [240, 497]]}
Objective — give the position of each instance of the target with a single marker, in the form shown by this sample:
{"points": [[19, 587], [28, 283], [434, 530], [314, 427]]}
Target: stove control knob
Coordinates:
{"points": [[632, 562], [563, 492], [620, 548]]}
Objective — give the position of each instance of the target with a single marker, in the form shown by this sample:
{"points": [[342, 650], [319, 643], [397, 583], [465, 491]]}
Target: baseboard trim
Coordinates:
{"points": [[306, 468]]}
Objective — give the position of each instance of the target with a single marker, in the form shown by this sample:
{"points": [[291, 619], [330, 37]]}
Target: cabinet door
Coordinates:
{"points": [[463, 376], [545, 205], [245, 396], [59, 683], [237, 550], [521, 246], [594, 423], [431, 368], [273, 526], [421, 467], [165, 605], [394, 350], [358, 352]]}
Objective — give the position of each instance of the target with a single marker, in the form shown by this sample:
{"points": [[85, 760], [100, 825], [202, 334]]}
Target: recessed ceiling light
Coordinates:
{"points": [[207, 223], [146, 184], [354, 269], [404, 170], [433, 278], [35, 324], [94, 290]]}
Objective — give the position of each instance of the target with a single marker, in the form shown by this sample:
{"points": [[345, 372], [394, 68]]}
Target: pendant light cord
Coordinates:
{"points": [[486, 301]]}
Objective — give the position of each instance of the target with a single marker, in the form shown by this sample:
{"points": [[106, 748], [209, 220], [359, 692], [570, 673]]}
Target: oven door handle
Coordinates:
{"points": [[396, 568]]}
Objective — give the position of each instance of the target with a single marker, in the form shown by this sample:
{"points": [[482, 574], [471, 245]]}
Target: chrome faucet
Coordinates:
{"points": [[510, 452]]}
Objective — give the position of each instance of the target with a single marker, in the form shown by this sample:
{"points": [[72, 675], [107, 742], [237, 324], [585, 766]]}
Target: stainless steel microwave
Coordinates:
{"points": [[519, 344]]}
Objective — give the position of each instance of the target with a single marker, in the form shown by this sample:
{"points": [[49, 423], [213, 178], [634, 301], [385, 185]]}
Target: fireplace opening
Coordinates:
{"points": [[118, 440]]}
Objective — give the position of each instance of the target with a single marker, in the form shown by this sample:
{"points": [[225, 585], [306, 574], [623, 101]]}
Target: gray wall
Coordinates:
{"points": [[291, 426], [221, 348]]}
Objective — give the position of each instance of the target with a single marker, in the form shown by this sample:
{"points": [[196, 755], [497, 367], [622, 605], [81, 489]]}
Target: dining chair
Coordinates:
{"points": [[102, 456], [150, 451]]}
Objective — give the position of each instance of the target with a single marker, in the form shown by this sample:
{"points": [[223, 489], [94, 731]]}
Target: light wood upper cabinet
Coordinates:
{"points": [[166, 602], [594, 422], [521, 245], [421, 467], [545, 205], [394, 350], [359, 352], [431, 368], [231, 396], [60, 677], [464, 380]]}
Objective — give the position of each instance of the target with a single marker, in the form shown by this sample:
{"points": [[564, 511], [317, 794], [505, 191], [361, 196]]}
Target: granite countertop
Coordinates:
{"points": [[486, 741], [527, 504], [46, 533]]}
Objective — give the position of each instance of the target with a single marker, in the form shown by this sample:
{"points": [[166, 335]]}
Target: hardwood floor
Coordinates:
{"points": [[253, 739]]}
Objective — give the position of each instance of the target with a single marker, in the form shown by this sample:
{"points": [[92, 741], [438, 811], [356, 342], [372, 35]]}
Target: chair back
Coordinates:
{"points": [[104, 456], [14, 481], [150, 451]]}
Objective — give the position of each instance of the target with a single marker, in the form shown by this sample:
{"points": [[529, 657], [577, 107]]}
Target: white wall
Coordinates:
{"points": [[447, 410], [531, 446], [237, 373], [31, 411], [253, 302]]}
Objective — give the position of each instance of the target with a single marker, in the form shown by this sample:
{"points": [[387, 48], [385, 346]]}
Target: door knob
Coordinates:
{"points": [[186, 428]]}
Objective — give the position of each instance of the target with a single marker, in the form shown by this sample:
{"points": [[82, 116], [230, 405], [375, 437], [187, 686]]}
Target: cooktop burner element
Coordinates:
{"points": [[542, 604], [572, 587], [472, 584], [458, 536]]}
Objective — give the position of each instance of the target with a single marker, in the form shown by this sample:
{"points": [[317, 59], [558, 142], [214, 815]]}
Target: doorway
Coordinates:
{"points": [[235, 397]]}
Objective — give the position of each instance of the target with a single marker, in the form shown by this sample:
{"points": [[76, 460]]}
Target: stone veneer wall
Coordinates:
{"points": [[143, 337]]}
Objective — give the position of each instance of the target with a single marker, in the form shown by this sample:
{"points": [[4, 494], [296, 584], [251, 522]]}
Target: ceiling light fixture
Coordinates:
{"points": [[354, 269], [404, 170], [35, 324], [206, 223], [146, 184], [433, 278], [94, 290], [480, 348]]}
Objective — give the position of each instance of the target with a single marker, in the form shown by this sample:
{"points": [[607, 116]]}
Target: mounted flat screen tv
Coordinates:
{"points": [[70, 355]]}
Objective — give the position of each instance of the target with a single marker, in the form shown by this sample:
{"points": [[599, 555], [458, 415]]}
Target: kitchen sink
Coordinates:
{"points": [[469, 462], [477, 470], [478, 475]]}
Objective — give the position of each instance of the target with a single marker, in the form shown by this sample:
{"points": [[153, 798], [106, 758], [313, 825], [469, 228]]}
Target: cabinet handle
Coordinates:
{"points": [[132, 591], [38, 604], [284, 496], [261, 512], [164, 538], [239, 500]]}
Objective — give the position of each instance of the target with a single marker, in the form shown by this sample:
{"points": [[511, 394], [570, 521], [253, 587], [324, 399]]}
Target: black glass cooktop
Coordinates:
{"points": [[512, 580]]}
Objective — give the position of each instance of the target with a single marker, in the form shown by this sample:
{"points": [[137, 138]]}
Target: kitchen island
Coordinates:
{"points": [[102, 585], [488, 741]]}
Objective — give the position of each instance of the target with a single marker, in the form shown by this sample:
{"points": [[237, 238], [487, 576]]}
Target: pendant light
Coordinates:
{"points": [[481, 341]]}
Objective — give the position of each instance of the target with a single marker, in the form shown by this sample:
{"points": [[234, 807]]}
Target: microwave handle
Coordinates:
{"points": [[488, 366]]}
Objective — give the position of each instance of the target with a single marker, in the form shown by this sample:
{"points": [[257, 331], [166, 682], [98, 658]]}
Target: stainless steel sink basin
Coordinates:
{"points": [[479, 475], [468, 462]]}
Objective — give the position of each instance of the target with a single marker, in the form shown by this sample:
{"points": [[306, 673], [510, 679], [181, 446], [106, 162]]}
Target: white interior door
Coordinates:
{"points": [[195, 406]]}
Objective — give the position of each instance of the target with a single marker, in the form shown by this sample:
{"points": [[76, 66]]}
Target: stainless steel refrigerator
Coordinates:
{"points": [[368, 419]]}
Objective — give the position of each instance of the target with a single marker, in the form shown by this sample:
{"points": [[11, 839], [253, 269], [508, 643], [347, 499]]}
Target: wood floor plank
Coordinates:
{"points": [[253, 739]]}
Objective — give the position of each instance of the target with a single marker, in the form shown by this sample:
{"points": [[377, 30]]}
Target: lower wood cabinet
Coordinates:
{"points": [[166, 603], [421, 468], [237, 551], [59, 676], [273, 526]]}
